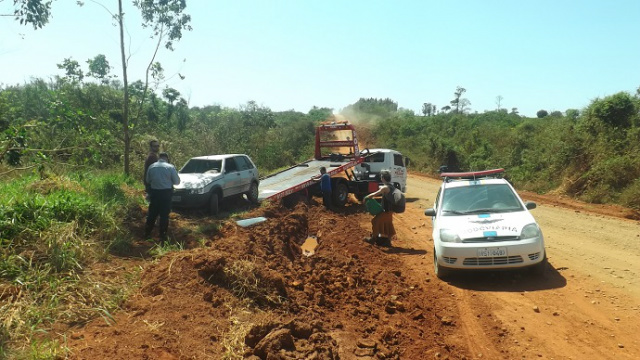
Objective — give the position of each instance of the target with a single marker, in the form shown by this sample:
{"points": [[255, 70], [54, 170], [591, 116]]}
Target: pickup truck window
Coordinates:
{"points": [[243, 163], [375, 158], [200, 166], [397, 160], [230, 165]]}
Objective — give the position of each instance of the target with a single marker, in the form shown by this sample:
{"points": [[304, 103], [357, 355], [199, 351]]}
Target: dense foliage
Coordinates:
{"points": [[589, 153], [592, 155], [79, 124]]}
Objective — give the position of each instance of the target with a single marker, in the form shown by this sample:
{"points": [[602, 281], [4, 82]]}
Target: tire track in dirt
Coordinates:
{"points": [[472, 333]]}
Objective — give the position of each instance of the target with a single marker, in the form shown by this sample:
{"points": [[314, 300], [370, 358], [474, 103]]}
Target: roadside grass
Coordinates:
{"points": [[242, 319], [233, 340], [163, 249], [246, 281], [52, 231]]}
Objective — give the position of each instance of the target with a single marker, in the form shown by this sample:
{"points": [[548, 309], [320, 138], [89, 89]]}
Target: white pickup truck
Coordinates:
{"points": [[383, 159], [207, 180]]}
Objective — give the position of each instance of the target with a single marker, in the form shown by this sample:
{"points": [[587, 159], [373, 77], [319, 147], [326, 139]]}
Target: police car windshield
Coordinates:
{"points": [[482, 198]]}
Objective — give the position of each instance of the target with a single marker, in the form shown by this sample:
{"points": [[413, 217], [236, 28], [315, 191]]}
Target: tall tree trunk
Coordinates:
{"points": [[125, 104]]}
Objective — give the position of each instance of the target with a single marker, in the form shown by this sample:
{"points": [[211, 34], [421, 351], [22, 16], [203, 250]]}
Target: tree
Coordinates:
{"points": [[499, 99], [373, 106], [445, 109], [542, 113], [168, 20], [616, 110], [99, 68], [182, 114], [72, 69], [459, 103], [317, 114], [166, 17], [33, 12], [427, 109], [572, 113], [171, 95], [464, 105]]}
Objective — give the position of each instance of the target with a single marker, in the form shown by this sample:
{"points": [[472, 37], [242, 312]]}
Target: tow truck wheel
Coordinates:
{"points": [[340, 194]]}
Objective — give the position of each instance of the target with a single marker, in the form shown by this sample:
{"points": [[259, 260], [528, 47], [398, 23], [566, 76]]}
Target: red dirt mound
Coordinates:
{"points": [[252, 293]]}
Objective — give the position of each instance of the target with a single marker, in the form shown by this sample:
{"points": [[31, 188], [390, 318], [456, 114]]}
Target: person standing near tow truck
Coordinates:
{"points": [[325, 187], [382, 229]]}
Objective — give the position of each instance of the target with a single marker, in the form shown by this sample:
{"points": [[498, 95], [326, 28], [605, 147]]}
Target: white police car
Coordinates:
{"points": [[480, 222]]}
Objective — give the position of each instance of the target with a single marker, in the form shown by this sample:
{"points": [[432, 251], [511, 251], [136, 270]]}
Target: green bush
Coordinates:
{"points": [[613, 175], [630, 196]]}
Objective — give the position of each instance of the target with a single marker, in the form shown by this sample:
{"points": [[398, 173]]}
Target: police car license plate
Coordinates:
{"points": [[492, 252]]}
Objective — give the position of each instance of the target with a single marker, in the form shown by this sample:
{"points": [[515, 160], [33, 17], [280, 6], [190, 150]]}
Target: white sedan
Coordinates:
{"points": [[480, 222]]}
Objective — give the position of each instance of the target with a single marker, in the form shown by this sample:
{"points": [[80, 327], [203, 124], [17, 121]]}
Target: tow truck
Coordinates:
{"points": [[351, 170]]}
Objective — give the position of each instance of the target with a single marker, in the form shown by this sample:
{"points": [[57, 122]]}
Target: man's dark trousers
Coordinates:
{"points": [[159, 205], [327, 199]]}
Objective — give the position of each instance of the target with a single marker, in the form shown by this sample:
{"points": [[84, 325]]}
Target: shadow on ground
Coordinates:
{"points": [[508, 281]]}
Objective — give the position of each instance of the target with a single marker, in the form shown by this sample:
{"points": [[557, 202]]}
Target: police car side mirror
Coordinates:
{"points": [[430, 212], [530, 205]]}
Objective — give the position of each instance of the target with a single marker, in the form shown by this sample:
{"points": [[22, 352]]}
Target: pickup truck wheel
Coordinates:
{"points": [[340, 194], [252, 194], [213, 204]]}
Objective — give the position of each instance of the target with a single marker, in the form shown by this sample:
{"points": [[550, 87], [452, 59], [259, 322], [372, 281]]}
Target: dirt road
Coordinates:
{"points": [[251, 293], [586, 307]]}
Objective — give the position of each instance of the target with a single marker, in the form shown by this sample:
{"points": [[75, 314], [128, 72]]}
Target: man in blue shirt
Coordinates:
{"points": [[325, 187], [161, 176]]}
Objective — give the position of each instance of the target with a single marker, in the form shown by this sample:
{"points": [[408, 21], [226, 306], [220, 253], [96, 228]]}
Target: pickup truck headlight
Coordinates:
{"points": [[530, 231], [195, 191], [447, 235]]}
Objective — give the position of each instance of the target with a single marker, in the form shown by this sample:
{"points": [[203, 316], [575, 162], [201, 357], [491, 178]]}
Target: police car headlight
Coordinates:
{"points": [[447, 235], [530, 231], [197, 191]]}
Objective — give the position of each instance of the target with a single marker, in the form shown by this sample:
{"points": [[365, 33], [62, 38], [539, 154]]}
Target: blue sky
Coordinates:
{"points": [[551, 55]]}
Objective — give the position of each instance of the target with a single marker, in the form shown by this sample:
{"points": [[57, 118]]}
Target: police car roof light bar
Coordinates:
{"points": [[471, 175]]}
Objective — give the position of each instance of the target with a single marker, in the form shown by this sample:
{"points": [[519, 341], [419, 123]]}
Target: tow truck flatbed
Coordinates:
{"points": [[296, 178], [336, 149]]}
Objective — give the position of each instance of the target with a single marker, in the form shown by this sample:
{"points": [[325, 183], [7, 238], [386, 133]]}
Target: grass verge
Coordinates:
{"points": [[53, 233]]}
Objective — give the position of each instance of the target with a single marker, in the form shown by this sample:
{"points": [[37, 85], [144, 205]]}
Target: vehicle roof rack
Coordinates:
{"points": [[472, 175]]}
